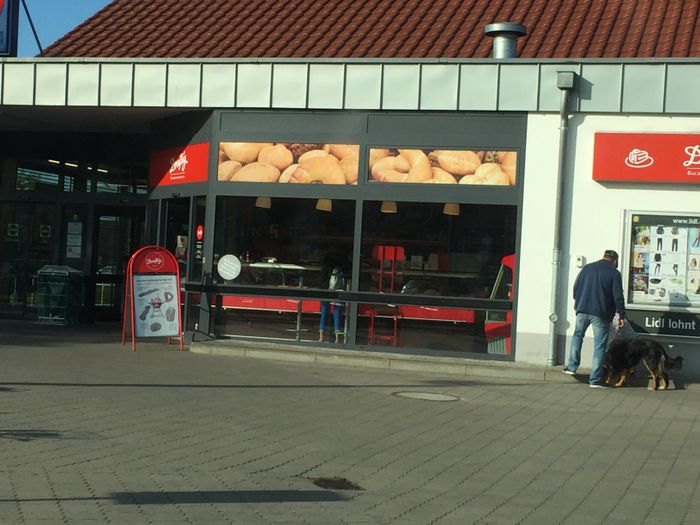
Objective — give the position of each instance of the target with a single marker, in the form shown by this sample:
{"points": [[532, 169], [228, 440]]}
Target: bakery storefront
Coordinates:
{"points": [[359, 229]]}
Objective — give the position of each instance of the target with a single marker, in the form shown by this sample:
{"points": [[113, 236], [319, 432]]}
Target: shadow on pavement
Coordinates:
{"points": [[29, 435], [422, 384], [202, 497]]}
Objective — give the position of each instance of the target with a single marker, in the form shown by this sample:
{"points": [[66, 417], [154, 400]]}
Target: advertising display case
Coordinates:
{"points": [[663, 272]]}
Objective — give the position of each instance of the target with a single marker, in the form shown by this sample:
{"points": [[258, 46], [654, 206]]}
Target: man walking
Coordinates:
{"points": [[597, 297]]}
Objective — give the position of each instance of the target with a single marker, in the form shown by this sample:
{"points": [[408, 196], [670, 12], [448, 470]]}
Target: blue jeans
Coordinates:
{"points": [[601, 328], [337, 313]]}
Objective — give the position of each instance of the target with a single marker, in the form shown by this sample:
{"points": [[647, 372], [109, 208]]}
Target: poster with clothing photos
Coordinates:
{"points": [[664, 260]]}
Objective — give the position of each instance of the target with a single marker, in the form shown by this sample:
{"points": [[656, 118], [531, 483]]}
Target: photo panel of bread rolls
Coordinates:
{"points": [[443, 166], [286, 162]]}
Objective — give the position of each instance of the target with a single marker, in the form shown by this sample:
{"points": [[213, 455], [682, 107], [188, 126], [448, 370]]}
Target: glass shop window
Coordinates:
{"points": [[444, 249], [285, 242]]}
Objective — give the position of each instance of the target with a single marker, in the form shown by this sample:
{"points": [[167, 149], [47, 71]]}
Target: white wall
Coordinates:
{"points": [[591, 223]]}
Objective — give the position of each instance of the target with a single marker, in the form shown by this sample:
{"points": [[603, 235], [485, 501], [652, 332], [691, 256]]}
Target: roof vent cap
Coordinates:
{"points": [[504, 38]]}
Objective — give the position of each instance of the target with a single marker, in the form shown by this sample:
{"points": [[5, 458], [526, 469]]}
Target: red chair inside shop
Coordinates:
{"points": [[498, 333], [384, 318]]}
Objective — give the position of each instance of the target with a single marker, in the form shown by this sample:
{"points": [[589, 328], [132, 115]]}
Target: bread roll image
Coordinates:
{"points": [[222, 155], [324, 169], [227, 168], [243, 152], [342, 151], [257, 172], [278, 155], [420, 165], [497, 178], [377, 153], [509, 162], [393, 167], [350, 166], [486, 168], [287, 174], [472, 179], [440, 176], [456, 162], [311, 154]]}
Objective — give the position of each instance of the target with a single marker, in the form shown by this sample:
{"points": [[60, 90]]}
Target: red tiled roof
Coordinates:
{"points": [[383, 29]]}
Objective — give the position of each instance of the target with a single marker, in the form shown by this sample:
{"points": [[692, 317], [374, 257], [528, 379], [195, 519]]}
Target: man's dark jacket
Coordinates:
{"points": [[598, 291]]}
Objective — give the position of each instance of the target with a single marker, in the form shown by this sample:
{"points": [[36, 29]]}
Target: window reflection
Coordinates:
{"points": [[421, 249], [286, 241]]}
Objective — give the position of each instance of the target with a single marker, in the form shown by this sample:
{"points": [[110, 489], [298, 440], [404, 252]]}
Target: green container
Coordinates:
{"points": [[60, 291]]}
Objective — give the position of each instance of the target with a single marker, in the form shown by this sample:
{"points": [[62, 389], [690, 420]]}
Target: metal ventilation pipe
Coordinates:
{"points": [[504, 36]]}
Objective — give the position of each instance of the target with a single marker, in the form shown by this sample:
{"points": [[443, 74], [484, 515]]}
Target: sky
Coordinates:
{"points": [[52, 19]]}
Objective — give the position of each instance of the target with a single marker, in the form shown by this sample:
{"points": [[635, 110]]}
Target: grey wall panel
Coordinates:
{"points": [[18, 85], [600, 87], [550, 95], [478, 87], [643, 88], [326, 82], [518, 87], [149, 85], [682, 88], [363, 86], [401, 86], [439, 84], [449, 130], [83, 84], [289, 83], [116, 84], [183, 85], [287, 126], [219, 85], [253, 85], [51, 84]]}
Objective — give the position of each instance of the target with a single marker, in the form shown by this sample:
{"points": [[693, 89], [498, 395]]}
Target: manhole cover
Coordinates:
{"points": [[336, 484], [426, 396]]}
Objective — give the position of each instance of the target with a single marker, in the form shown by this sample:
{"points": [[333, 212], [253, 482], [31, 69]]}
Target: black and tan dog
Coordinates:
{"points": [[623, 355]]}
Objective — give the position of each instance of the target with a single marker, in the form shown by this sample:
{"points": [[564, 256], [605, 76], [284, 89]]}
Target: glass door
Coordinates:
{"points": [[118, 233], [27, 243]]}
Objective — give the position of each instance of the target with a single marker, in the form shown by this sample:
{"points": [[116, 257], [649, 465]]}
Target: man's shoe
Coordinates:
{"points": [[568, 372], [600, 385]]}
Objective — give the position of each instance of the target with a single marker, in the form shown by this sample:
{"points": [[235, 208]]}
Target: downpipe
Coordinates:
{"points": [[565, 82]]}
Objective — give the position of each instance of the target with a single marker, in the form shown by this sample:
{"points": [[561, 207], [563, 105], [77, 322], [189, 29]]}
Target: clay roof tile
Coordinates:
{"points": [[383, 28]]}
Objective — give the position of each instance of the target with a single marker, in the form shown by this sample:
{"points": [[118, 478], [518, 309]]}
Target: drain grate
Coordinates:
{"points": [[426, 396], [336, 484]]}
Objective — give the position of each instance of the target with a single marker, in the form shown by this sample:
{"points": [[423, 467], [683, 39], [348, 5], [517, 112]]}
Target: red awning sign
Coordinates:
{"points": [[647, 157]]}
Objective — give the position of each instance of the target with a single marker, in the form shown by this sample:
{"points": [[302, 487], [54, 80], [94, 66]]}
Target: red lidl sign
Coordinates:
{"points": [[179, 165], [647, 157]]}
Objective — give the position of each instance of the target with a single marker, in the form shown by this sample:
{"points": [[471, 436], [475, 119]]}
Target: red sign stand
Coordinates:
{"points": [[152, 288]]}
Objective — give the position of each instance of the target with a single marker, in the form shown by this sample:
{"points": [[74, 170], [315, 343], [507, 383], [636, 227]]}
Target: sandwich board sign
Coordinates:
{"points": [[152, 296]]}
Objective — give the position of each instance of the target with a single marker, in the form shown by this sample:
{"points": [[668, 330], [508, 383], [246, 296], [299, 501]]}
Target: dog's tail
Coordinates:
{"points": [[670, 362]]}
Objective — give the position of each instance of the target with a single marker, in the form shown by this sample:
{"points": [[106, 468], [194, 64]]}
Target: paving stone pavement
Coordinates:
{"points": [[93, 433]]}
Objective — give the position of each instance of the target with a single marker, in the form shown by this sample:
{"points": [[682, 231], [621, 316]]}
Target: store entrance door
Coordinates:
{"points": [[27, 242], [119, 232]]}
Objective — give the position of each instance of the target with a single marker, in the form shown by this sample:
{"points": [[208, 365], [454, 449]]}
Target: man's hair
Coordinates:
{"points": [[611, 254]]}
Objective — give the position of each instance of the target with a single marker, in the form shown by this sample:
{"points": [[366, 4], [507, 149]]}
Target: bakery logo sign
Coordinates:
{"points": [[647, 157], [693, 153], [154, 261], [638, 158], [179, 165]]}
